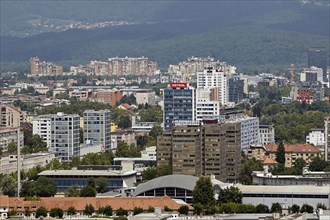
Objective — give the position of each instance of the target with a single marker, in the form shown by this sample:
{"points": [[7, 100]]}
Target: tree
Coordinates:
{"points": [[125, 150], [41, 212], [203, 192], [101, 185], [321, 206], [150, 209], [73, 191], [89, 209], [156, 131], [8, 185], [107, 210], [183, 210], [198, 208], [294, 208], [280, 153], [137, 210], [125, 122], [154, 172], [306, 208], [121, 212], [56, 212], [44, 187], [12, 147], [167, 209], [71, 210], [261, 208], [232, 194], [299, 164], [88, 191], [276, 207], [247, 167], [318, 164]]}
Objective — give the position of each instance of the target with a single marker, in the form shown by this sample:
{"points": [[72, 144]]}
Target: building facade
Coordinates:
{"points": [[41, 126], [316, 137], [11, 116], [42, 68], [111, 97], [97, 128], [145, 97], [214, 79], [8, 135], [207, 148], [235, 88], [327, 138], [266, 134], [179, 104]]}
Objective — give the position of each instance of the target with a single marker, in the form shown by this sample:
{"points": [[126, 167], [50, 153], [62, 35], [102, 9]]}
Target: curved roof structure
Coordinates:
{"points": [[179, 181]]}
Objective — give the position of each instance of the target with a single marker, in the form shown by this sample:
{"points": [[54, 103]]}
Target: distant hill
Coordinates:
{"points": [[265, 35]]}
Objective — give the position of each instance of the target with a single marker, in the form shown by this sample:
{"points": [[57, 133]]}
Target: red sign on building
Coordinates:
{"points": [[178, 85]]}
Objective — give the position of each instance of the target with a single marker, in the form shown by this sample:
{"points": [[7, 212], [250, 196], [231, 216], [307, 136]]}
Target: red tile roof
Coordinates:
{"points": [[268, 161], [294, 148], [80, 202]]}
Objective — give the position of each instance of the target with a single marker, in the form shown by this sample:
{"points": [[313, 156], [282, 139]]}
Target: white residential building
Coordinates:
{"points": [[266, 134], [8, 164], [249, 129], [205, 107], [312, 74], [8, 135], [41, 126], [145, 97], [316, 137], [60, 132], [216, 80], [327, 138]]}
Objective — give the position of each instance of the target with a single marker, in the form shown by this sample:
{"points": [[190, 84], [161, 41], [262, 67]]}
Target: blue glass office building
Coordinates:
{"points": [[179, 101]]}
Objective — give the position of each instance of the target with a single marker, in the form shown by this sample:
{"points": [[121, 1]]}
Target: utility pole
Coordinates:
{"points": [[18, 160]]}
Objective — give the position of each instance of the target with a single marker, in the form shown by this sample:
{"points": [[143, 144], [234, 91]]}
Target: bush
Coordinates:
{"points": [[41, 212], [261, 208], [71, 211], [56, 212], [167, 209], [12, 213], [276, 207], [89, 209], [183, 210], [306, 208], [321, 206], [137, 210], [294, 208], [151, 209], [121, 212], [198, 208]]}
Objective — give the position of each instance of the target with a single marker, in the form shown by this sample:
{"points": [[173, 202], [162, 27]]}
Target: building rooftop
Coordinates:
{"points": [[86, 173], [290, 148], [288, 189]]}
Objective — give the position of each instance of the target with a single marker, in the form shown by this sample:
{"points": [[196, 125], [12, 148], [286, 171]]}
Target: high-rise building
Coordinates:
{"points": [[42, 68], [110, 97], [11, 116], [317, 56], [235, 88], [65, 135], [312, 75], [214, 79], [61, 132], [266, 134], [179, 104], [97, 128], [327, 138], [202, 148], [206, 108]]}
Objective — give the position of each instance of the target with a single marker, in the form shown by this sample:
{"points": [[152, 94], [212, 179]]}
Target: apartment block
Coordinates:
{"points": [[214, 79], [266, 134], [8, 135], [131, 66], [11, 116], [204, 148], [179, 104], [312, 74], [316, 137], [8, 164], [42, 68], [293, 152], [61, 132], [97, 128], [206, 107], [145, 97], [307, 92], [111, 97]]}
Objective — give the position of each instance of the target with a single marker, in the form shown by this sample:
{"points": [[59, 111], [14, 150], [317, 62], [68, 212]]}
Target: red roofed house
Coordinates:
{"points": [[293, 152]]}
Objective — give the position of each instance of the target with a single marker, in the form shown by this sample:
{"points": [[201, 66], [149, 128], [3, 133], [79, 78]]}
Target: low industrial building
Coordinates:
{"points": [[64, 179]]}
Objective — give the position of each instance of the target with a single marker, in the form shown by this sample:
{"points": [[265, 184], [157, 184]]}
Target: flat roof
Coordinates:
{"points": [[86, 173], [134, 159], [287, 189]]}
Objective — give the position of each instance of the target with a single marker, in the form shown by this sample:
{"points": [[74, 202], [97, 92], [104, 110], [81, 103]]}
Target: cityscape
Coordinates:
{"points": [[132, 136]]}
